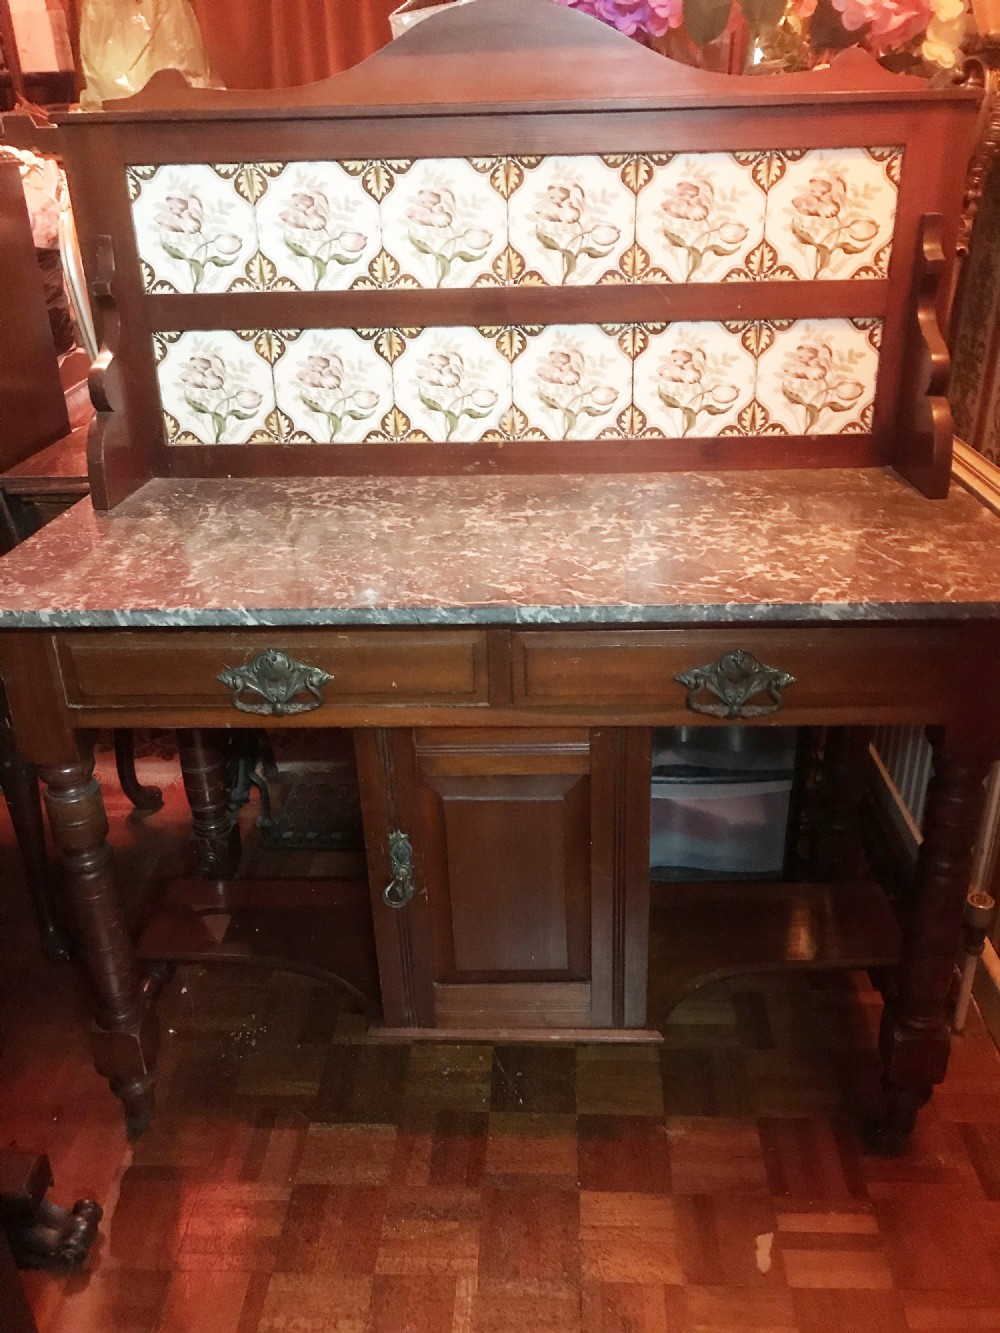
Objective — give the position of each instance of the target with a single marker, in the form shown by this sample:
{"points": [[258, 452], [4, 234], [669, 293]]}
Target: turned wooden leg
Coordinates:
{"points": [[914, 1039], [143, 798], [20, 786], [125, 1034], [214, 831]]}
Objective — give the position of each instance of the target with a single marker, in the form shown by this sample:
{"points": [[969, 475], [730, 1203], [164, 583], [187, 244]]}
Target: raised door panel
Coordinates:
{"points": [[507, 858], [530, 853]]}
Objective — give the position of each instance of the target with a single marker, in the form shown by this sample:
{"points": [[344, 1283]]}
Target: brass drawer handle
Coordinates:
{"points": [[734, 680], [401, 888], [277, 679]]}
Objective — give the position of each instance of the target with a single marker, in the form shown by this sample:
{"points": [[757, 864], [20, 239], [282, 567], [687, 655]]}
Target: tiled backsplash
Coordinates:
{"points": [[547, 221], [566, 381]]}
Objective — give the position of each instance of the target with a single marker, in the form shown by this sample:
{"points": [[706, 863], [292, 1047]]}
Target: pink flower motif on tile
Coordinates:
{"points": [[817, 381], [695, 221], [185, 236], [447, 387], [567, 388], [312, 233], [827, 219], [694, 385], [440, 229], [322, 390], [208, 392], [565, 223]]}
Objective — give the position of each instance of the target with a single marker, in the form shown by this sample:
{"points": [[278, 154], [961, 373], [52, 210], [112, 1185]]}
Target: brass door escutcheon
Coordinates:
{"points": [[401, 888]]}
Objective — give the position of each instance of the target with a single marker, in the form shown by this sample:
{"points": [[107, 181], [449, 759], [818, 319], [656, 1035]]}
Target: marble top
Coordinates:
{"points": [[668, 549]]}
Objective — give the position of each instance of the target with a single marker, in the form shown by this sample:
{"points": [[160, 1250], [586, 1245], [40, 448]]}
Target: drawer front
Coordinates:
{"points": [[892, 670], [365, 666]]}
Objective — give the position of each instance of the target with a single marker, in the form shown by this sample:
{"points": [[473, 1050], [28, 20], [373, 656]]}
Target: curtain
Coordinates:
{"points": [[281, 43]]}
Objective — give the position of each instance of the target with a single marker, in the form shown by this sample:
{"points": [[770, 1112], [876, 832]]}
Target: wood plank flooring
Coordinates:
{"points": [[303, 1178]]}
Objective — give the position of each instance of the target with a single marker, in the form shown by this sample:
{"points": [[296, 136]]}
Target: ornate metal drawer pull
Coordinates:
{"points": [[734, 680], [401, 888], [277, 679]]}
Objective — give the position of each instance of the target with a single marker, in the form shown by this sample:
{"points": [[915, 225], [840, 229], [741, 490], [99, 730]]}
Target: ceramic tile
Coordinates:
{"points": [[832, 212], [318, 226], [699, 217], [333, 385], [572, 381], [444, 223], [572, 220], [692, 379], [216, 388], [194, 230], [452, 383], [817, 377]]}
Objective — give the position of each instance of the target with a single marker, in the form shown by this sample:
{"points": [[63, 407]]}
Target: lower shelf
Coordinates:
{"points": [[322, 928], [701, 933]]}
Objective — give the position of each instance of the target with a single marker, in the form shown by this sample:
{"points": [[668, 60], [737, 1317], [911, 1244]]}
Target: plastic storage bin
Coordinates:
{"points": [[720, 802], [718, 829]]}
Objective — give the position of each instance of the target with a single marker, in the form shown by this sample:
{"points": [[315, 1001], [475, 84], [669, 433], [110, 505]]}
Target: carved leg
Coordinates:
{"points": [[143, 798], [20, 786], [125, 1034], [214, 831], [914, 1038]]}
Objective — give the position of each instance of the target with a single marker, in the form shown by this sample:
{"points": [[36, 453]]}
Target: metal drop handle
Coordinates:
{"points": [[401, 888]]}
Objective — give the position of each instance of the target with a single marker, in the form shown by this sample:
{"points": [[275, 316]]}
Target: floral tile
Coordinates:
{"points": [[699, 218], [451, 383], [692, 379], [318, 226], [817, 377], [333, 385], [832, 211], [572, 381], [215, 388], [444, 223], [195, 231], [572, 221]]}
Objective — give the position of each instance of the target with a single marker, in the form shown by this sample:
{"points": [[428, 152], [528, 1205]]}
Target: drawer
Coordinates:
{"points": [[896, 670], [181, 668]]}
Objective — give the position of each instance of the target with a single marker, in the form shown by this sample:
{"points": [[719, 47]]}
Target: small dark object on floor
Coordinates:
{"points": [[42, 1234]]}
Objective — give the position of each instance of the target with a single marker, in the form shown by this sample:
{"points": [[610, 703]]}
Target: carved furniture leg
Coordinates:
{"points": [[143, 798], [914, 1038], [42, 1234], [125, 1035], [20, 786], [214, 831]]}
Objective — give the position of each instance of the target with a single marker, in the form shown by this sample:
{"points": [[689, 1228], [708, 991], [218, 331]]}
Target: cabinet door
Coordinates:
{"points": [[530, 852]]}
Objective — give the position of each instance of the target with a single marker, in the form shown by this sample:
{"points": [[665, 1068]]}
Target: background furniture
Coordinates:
{"points": [[503, 582]]}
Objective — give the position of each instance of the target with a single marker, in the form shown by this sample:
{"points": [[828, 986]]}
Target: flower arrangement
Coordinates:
{"points": [[919, 36]]}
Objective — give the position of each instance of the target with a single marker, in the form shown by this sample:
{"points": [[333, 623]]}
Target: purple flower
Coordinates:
{"points": [[635, 18]]}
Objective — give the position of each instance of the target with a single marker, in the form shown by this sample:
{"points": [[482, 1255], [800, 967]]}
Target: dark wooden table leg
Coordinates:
{"points": [[215, 833], [914, 1039], [20, 787], [143, 798], [125, 1035]]}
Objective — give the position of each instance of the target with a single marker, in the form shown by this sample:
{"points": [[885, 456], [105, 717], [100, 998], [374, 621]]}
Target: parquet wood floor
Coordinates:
{"points": [[304, 1178]]}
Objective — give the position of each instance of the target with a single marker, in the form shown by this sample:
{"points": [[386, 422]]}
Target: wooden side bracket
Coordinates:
{"points": [[109, 450], [926, 430]]}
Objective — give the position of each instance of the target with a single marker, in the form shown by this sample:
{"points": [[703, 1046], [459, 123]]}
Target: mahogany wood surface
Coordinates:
{"points": [[517, 79]]}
